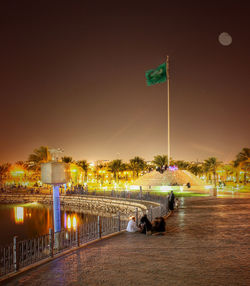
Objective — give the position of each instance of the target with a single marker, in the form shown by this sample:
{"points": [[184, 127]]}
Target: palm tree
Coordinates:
{"points": [[116, 166], [4, 168], [137, 165], [160, 161], [196, 169], [39, 156], [211, 165], [244, 155], [85, 166], [22, 164], [228, 170], [182, 165], [236, 166], [243, 161], [67, 159]]}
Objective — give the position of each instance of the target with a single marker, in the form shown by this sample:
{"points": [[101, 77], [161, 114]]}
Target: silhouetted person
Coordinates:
{"points": [[145, 224], [158, 225], [171, 201]]}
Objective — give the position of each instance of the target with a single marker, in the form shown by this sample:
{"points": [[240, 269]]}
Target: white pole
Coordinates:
{"points": [[167, 74]]}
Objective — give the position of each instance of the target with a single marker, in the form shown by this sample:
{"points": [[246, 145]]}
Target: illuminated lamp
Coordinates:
{"points": [[55, 173]]}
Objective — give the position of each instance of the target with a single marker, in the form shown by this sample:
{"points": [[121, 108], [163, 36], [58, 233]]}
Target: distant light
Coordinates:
{"points": [[208, 187], [166, 188], [134, 187], [173, 168]]}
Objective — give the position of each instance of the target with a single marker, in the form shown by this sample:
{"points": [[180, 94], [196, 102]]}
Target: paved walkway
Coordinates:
{"points": [[207, 243]]}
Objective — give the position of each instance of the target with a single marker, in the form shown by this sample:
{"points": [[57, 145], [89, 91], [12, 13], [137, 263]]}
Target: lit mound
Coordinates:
{"points": [[169, 178]]}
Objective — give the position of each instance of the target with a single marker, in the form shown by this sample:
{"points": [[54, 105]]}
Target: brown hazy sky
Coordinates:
{"points": [[72, 76]]}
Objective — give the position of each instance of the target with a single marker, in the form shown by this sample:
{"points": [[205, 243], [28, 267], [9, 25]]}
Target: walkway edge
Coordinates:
{"points": [[49, 259]]}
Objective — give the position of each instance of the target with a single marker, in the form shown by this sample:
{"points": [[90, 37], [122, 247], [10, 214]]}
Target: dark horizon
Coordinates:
{"points": [[73, 76]]}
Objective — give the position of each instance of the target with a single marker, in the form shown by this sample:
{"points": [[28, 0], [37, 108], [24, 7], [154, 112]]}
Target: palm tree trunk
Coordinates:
{"points": [[245, 176], [85, 177], [237, 176], [214, 178]]}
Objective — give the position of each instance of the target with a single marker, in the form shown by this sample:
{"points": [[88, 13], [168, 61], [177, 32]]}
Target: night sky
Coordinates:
{"points": [[72, 75]]}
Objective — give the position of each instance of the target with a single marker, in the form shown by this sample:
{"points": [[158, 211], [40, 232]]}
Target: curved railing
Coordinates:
{"points": [[19, 254]]}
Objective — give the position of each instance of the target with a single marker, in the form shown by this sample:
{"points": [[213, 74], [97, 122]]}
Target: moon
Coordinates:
{"points": [[225, 39]]}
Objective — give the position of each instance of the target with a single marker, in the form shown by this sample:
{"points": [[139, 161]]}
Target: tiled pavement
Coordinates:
{"points": [[207, 243]]}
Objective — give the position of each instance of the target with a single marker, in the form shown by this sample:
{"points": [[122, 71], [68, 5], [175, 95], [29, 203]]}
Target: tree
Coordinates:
{"points": [[85, 166], [196, 169], [67, 159], [39, 155], [4, 168], [137, 165], [244, 155], [236, 166], [22, 164], [228, 169], [211, 165], [243, 161], [115, 167], [182, 165], [160, 161]]}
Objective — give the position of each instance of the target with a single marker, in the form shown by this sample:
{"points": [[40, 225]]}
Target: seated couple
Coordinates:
{"points": [[145, 225]]}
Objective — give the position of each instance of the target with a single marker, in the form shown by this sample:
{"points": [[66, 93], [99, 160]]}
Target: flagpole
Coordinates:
{"points": [[167, 73]]}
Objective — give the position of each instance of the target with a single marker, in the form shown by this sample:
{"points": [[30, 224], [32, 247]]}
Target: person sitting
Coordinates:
{"points": [[132, 225], [145, 224], [158, 225]]}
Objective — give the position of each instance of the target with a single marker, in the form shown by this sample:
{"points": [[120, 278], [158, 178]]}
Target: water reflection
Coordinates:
{"points": [[19, 214], [68, 222], [31, 220], [71, 221], [74, 222]]}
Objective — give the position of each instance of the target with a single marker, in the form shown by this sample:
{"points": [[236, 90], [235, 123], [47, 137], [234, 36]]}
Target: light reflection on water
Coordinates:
{"points": [[31, 220], [19, 214]]}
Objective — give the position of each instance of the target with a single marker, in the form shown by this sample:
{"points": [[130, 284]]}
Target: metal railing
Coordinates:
{"points": [[23, 253]]}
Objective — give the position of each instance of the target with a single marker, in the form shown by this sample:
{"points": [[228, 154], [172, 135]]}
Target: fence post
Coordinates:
{"points": [[167, 204], [15, 254], [99, 227], [78, 235], [136, 216], [51, 242], [119, 221]]}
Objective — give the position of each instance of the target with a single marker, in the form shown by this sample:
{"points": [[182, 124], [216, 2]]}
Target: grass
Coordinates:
{"points": [[180, 194]]}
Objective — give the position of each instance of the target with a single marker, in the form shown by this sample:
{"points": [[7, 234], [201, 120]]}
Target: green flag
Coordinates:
{"points": [[157, 75]]}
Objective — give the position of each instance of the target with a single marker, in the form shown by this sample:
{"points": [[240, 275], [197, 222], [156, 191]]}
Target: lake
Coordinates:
{"points": [[34, 219]]}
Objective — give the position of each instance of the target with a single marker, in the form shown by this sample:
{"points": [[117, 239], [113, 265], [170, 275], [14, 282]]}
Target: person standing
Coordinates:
{"points": [[171, 201]]}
